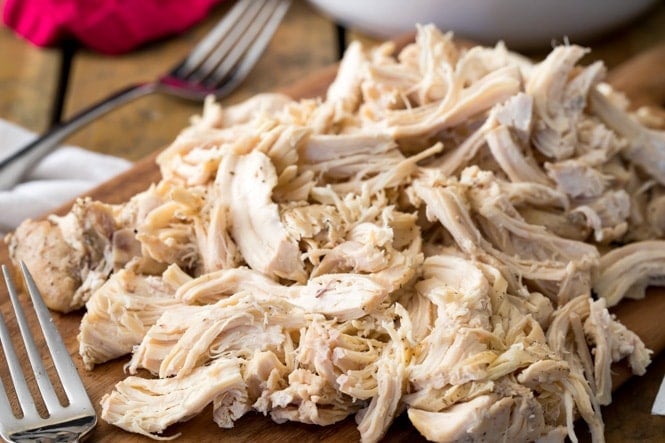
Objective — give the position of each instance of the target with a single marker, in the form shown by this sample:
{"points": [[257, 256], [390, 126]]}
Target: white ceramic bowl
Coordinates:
{"points": [[522, 24]]}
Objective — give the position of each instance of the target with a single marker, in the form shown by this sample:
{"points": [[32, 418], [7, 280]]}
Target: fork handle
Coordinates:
{"points": [[14, 167]]}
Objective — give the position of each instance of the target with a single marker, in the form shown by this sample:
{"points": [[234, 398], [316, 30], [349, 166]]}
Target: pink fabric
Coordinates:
{"points": [[108, 26]]}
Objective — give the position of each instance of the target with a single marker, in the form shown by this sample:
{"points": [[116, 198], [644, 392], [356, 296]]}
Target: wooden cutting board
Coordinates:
{"points": [[646, 317]]}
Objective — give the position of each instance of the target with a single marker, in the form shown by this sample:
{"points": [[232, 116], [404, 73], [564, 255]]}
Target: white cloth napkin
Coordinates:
{"points": [[61, 176]]}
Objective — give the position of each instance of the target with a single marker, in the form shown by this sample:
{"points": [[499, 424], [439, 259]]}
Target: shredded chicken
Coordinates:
{"points": [[627, 271], [425, 239]]}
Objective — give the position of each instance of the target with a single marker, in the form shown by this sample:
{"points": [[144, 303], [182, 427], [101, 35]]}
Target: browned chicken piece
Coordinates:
{"points": [[70, 255], [40, 244]]}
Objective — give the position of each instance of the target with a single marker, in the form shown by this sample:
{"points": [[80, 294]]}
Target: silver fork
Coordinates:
{"points": [[215, 66], [64, 423]]}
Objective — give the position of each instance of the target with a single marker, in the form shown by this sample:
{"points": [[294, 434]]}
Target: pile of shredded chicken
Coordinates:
{"points": [[441, 235]]}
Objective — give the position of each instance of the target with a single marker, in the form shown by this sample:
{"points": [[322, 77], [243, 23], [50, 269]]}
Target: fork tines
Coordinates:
{"points": [[79, 408], [233, 46]]}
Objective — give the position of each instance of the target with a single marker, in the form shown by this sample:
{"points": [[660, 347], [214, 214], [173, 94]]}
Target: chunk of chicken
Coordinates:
{"points": [[121, 311], [70, 255], [183, 339], [257, 228], [148, 406], [627, 271], [476, 419], [645, 148], [612, 341]]}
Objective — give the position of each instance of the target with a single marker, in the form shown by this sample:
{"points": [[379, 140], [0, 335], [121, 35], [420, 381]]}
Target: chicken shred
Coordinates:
{"points": [[426, 238]]}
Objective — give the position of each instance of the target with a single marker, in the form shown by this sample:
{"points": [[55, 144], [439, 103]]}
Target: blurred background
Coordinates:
{"points": [[39, 86]]}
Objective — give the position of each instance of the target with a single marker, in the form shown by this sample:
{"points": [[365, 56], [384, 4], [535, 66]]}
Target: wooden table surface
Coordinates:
{"points": [[34, 94]]}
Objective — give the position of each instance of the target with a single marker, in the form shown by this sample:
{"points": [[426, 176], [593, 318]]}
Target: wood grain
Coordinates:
{"points": [[639, 81], [28, 79], [644, 316]]}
